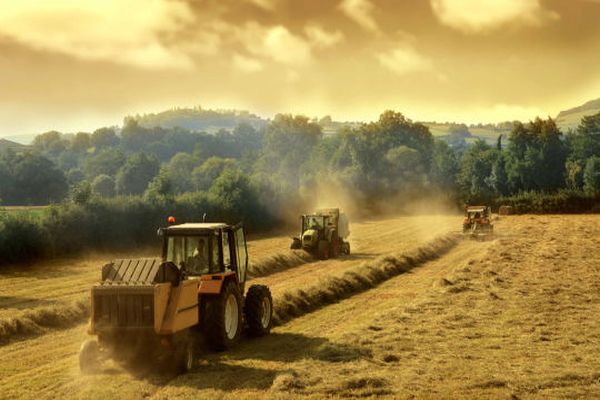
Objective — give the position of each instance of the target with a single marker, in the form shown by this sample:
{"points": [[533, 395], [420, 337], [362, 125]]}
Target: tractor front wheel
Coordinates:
{"points": [[258, 309], [224, 318]]}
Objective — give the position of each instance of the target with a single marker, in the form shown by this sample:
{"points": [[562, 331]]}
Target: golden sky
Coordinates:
{"points": [[79, 65]]}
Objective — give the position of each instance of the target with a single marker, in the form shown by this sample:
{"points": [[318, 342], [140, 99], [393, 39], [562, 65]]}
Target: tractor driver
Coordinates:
{"points": [[198, 263], [313, 223]]}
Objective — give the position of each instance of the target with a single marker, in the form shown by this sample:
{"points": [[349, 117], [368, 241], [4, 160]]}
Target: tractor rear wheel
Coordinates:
{"points": [[258, 309], [346, 247], [323, 249], [89, 354], [223, 323]]}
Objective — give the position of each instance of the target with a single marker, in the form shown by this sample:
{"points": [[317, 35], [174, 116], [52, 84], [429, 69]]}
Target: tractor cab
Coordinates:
{"points": [[214, 250], [477, 219], [322, 234]]}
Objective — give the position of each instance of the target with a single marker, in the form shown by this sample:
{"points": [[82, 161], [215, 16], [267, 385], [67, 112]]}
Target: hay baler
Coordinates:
{"points": [[160, 308]]}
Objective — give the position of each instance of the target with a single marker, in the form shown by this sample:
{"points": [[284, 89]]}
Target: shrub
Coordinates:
{"points": [[21, 239], [561, 202]]}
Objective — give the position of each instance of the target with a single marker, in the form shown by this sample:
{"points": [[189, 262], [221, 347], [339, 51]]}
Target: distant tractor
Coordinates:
{"points": [[161, 308], [324, 234], [478, 221]]}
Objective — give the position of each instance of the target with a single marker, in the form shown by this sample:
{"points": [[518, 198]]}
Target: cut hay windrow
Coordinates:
{"points": [[279, 262], [287, 306], [368, 275], [40, 320]]}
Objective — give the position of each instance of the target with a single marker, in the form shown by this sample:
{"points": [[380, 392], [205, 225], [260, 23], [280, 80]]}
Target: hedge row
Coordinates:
{"points": [[109, 224], [562, 202]]}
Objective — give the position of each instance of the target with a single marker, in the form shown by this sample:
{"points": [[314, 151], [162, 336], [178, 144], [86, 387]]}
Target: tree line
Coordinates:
{"points": [[287, 160]]}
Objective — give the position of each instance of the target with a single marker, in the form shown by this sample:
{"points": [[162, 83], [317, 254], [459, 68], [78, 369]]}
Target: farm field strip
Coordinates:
{"points": [[67, 281], [68, 289], [515, 317], [69, 339]]}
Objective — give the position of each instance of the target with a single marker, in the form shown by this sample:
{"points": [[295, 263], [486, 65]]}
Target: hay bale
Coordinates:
{"points": [[505, 210]]}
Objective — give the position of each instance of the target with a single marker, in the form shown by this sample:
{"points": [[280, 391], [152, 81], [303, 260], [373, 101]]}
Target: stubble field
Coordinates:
{"points": [[415, 312]]}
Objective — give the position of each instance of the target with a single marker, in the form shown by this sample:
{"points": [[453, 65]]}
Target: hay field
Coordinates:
{"points": [[448, 318]]}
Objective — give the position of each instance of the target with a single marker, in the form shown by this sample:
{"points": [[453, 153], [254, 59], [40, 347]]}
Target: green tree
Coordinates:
{"points": [[104, 137], [107, 162], [585, 141], [574, 174], [444, 167], [50, 143], [591, 174], [81, 142], [81, 193], [474, 180], [179, 172], [135, 175], [160, 188], [204, 175], [536, 157], [234, 195], [37, 180], [104, 186]]}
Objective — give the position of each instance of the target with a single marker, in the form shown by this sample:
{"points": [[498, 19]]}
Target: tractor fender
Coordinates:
{"points": [[213, 283]]}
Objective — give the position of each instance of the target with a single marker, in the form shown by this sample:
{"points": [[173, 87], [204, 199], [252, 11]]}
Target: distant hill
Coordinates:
{"points": [[569, 119], [8, 144], [198, 119], [454, 134]]}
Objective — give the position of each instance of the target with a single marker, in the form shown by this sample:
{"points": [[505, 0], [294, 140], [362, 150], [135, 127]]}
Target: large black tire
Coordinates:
{"points": [[323, 250], [258, 309], [346, 247], [296, 244], [89, 354], [334, 248], [223, 326]]}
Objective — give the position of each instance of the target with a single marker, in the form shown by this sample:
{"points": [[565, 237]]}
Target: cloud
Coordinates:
{"points": [[111, 30], [246, 64], [473, 16], [275, 42], [508, 112], [268, 5], [361, 12], [404, 60], [321, 38]]}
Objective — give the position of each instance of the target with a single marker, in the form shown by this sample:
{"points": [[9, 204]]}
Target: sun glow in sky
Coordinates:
{"points": [[72, 65]]}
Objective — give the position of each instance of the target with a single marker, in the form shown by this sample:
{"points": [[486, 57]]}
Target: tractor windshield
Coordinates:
{"points": [[314, 222], [194, 253]]}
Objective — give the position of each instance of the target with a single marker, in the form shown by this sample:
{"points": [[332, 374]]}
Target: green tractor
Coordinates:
{"points": [[324, 234]]}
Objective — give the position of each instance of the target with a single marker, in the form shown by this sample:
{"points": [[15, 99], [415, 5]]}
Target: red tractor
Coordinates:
{"points": [[478, 221]]}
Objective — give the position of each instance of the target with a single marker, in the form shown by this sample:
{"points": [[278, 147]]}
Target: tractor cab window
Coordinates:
{"points": [[241, 254], [313, 222], [191, 252], [227, 262]]}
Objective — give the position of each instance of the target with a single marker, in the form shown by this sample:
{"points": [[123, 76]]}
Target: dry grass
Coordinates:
{"points": [[366, 276], [278, 262], [511, 318], [455, 326], [40, 320]]}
